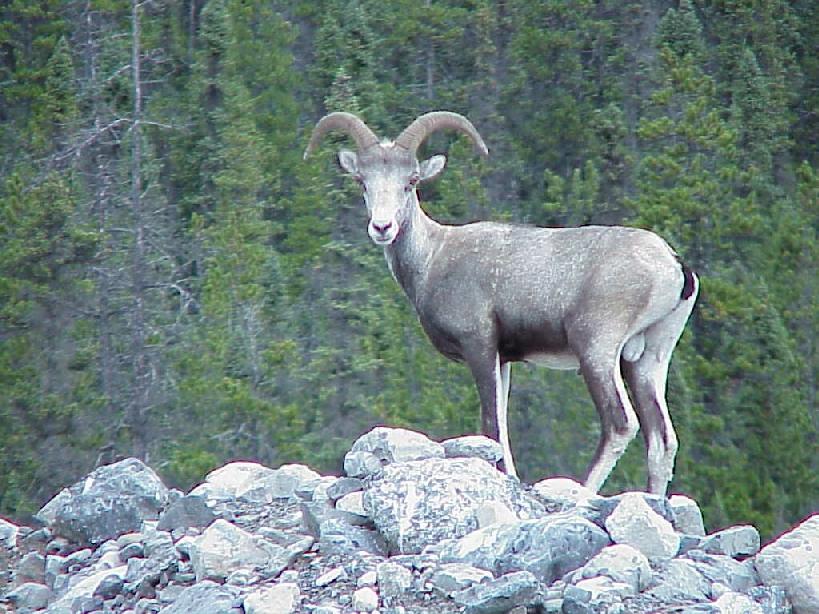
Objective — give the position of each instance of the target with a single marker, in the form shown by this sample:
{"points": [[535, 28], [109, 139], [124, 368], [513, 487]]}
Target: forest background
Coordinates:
{"points": [[176, 283]]}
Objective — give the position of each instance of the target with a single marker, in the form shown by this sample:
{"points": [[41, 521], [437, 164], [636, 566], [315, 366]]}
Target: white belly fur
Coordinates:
{"points": [[563, 361]]}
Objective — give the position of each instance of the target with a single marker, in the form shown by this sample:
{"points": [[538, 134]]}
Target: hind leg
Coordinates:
{"points": [[647, 377]]}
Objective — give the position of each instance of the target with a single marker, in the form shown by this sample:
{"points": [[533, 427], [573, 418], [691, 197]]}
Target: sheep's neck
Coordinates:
{"points": [[409, 255]]}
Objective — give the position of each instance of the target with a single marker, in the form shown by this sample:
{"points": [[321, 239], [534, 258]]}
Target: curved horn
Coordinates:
{"points": [[345, 122], [415, 134]]}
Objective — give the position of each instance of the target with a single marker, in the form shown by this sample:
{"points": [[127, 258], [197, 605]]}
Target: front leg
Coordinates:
{"points": [[492, 380]]}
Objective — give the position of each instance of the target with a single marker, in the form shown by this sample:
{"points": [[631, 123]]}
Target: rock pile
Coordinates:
{"points": [[414, 527]]}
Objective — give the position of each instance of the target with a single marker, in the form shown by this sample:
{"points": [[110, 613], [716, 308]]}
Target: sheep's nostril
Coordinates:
{"points": [[382, 228]]}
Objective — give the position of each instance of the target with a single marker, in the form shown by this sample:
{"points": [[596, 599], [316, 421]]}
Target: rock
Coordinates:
{"points": [[473, 446], [369, 578], [679, 579], [343, 486], [736, 603], [31, 568], [598, 509], [112, 500], [622, 564], [393, 579], [29, 596], [188, 511], [331, 576], [336, 535], [393, 445], [722, 569], [634, 523], [493, 512], [365, 599], [792, 561], [110, 586], [315, 490], [737, 542], [253, 482], [595, 595], [418, 503], [277, 599], [450, 578], [772, 599], [687, 515], [8, 535], [548, 547], [561, 493], [361, 464], [224, 547], [499, 596], [85, 589], [206, 597], [159, 547], [352, 503]]}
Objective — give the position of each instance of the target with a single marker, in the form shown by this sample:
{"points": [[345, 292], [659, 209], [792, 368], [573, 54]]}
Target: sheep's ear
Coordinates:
{"points": [[432, 167], [348, 161]]}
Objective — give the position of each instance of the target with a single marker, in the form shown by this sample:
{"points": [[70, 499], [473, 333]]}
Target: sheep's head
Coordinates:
{"points": [[389, 171]]}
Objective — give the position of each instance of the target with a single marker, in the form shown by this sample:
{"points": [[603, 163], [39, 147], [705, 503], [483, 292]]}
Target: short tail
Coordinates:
{"points": [[689, 282]]}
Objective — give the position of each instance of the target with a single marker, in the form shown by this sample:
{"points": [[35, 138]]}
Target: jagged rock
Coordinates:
{"points": [[206, 597], [317, 489], [634, 523], [792, 561], [224, 547], [560, 494], [394, 445], [337, 535], [331, 576], [737, 542], [31, 568], [352, 503], [414, 504], [361, 464], [29, 596], [500, 595], [110, 586], [254, 483], [598, 508], [188, 511], [687, 515], [450, 578], [365, 599], [599, 595], [8, 534], [736, 603], [473, 446], [548, 547], [84, 589], [393, 579], [344, 486], [159, 547], [722, 569], [112, 500], [277, 599], [680, 579], [772, 599], [493, 512], [620, 562]]}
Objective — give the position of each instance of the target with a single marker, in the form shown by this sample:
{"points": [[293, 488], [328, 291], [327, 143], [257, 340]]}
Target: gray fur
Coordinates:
{"points": [[608, 300]]}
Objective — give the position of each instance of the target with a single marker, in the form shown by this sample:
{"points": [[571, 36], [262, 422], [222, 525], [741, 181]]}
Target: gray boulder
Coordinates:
{"points": [[687, 515], [83, 589], [499, 596], [560, 494], [737, 542], [8, 535], [634, 523], [622, 564], [473, 446], [112, 500], [724, 570], [253, 483], [205, 597], [418, 503], [679, 579], [792, 562], [548, 547], [185, 512], [393, 579], [382, 446], [600, 595], [276, 599], [449, 578], [224, 547], [29, 596]]}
